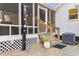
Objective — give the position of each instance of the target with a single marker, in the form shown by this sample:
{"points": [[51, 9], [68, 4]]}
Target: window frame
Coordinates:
{"points": [[12, 25], [71, 14]]}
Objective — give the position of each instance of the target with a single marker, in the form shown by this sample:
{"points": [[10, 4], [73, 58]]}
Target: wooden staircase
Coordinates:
{"points": [[51, 27]]}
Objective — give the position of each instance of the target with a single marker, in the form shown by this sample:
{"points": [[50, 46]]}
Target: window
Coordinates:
{"points": [[29, 13], [4, 30], [36, 13], [14, 30], [10, 18], [51, 16], [9, 23], [73, 14], [30, 30], [42, 14], [27, 17], [9, 13], [36, 30]]}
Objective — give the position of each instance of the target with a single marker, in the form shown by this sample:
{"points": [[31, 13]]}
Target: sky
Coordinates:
{"points": [[52, 4]]}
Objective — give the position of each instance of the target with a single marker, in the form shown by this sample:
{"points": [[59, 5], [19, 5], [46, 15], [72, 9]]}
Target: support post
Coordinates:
{"points": [[51, 38], [23, 28], [24, 41]]}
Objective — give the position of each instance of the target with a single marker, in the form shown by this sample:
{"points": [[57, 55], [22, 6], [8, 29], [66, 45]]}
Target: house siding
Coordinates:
{"points": [[62, 19]]}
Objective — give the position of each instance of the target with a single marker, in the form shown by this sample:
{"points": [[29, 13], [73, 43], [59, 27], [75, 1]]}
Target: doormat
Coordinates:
{"points": [[59, 46]]}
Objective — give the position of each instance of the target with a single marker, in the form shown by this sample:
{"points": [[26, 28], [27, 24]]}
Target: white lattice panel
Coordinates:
{"points": [[7, 45]]}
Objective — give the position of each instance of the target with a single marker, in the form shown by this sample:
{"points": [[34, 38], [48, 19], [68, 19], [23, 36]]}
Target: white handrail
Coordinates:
{"points": [[32, 26], [12, 25], [9, 25]]}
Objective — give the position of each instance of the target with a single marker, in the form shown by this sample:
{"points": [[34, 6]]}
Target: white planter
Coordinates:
{"points": [[47, 44]]}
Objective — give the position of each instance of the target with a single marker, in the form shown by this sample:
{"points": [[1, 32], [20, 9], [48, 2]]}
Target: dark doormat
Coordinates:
{"points": [[59, 46]]}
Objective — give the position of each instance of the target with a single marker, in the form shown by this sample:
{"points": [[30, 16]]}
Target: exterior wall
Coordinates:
{"points": [[11, 42], [14, 41], [63, 22]]}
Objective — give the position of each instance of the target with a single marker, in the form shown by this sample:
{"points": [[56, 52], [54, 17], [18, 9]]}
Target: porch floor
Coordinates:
{"points": [[37, 50]]}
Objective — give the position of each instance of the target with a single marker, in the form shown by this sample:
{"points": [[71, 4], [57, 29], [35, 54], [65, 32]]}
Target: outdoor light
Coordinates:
{"points": [[24, 18]]}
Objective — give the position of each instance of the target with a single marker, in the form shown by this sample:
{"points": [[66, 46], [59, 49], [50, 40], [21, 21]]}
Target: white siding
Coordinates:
{"points": [[62, 20]]}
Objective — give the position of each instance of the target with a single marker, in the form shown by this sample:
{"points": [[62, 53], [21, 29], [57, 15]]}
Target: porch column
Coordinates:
{"points": [[33, 18], [19, 17]]}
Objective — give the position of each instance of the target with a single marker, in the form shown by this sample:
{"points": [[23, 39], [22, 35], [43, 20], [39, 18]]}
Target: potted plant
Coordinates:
{"points": [[46, 41]]}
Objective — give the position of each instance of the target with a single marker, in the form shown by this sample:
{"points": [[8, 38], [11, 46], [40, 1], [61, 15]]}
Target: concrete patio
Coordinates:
{"points": [[71, 50]]}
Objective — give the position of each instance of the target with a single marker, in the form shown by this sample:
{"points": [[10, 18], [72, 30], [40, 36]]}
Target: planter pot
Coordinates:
{"points": [[47, 44]]}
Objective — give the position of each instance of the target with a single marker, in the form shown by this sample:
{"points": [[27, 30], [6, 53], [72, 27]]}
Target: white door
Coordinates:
{"points": [[42, 15]]}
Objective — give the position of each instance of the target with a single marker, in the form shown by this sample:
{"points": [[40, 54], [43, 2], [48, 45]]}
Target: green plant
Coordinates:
{"points": [[45, 38]]}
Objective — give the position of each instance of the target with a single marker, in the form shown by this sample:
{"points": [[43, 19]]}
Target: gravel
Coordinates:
{"points": [[37, 50]]}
